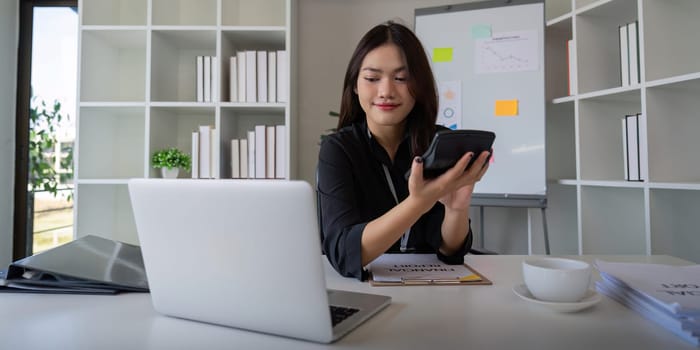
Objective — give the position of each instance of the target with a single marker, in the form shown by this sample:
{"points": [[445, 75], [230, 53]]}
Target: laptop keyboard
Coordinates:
{"points": [[339, 313]]}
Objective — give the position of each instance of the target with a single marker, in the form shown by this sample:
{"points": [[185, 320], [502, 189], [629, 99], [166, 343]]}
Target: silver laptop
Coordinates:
{"points": [[244, 254]]}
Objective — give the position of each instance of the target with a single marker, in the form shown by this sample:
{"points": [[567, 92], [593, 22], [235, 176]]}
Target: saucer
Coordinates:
{"points": [[591, 298]]}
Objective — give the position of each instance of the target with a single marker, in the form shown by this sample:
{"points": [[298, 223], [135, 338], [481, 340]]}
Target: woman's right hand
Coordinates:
{"points": [[428, 191]]}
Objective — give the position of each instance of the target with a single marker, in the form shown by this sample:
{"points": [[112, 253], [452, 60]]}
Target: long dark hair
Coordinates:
{"points": [[420, 122]]}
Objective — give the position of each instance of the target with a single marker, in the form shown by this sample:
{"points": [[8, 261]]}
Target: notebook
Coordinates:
{"points": [[244, 254]]}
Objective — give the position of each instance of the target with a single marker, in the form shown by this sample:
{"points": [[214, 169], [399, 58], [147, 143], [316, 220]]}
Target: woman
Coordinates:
{"points": [[387, 120]]}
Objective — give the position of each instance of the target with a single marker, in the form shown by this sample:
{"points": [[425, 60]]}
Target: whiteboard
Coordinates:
{"points": [[488, 62]]}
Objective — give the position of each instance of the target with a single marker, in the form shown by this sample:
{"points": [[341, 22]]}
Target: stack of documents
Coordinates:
{"points": [[668, 295]]}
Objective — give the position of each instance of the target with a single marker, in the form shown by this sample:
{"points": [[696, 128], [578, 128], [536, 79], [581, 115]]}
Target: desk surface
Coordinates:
{"points": [[420, 317]]}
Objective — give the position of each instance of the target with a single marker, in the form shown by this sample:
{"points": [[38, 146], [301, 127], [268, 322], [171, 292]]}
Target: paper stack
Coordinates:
{"points": [[668, 295]]}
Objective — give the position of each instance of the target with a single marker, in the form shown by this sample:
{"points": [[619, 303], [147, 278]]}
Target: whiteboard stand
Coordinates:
{"points": [[518, 201]]}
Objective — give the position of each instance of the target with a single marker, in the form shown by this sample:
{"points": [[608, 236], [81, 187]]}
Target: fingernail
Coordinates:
{"points": [[419, 159]]}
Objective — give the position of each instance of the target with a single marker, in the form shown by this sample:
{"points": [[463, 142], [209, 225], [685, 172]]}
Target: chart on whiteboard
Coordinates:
{"points": [[507, 52]]}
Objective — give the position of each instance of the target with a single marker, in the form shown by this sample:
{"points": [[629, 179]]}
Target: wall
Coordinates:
{"points": [[323, 55], [9, 20]]}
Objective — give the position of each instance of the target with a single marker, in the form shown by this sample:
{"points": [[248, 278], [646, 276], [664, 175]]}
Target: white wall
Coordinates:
{"points": [[8, 82]]}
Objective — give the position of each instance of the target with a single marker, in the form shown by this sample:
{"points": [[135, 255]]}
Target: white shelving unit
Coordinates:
{"points": [[657, 215], [137, 92]]}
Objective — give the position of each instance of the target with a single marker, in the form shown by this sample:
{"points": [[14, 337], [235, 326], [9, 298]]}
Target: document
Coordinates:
{"points": [[407, 269], [668, 295]]}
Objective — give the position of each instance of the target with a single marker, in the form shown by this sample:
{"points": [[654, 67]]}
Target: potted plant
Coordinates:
{"points": [[169, 161]]}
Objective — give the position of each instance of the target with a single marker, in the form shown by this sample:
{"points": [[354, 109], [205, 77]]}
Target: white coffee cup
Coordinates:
{"points": [[557, 279]]}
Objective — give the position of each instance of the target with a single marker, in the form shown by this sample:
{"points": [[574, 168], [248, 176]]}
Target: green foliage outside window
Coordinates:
{"points": [[43, 125]]}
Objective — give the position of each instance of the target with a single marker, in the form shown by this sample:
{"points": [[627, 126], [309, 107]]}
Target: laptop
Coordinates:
{"points": [[243, 254]]}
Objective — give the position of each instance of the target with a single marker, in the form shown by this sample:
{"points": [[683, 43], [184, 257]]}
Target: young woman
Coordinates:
{"points": [[387, 120]]}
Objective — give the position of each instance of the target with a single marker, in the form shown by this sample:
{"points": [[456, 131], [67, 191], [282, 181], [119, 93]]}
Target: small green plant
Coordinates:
{"points": [[171, 158]]}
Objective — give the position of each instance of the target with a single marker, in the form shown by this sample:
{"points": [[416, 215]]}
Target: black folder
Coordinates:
{"points": [[89, 265]]}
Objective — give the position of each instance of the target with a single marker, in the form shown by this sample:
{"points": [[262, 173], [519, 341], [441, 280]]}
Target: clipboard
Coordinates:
{"points": [[421, 269]]}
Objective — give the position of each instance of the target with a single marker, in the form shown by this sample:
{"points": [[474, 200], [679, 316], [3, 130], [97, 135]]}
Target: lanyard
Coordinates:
{"points": [[404, 238]]}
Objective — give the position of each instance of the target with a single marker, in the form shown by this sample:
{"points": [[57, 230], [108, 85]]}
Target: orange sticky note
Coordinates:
{"points": [[506, 108]]}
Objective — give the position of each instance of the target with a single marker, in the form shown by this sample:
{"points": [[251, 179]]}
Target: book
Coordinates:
{"points": [[666, 294], [282, 76], [233, 79], [625, 162], [270, 151], [633, 52], [632, 147], [235, 159], [280, 151], [262, 76], [215, 154], [195, 155], [624, 56], [251, 154], [204, 151], [420, 269], [251, 77], [643, 147], [571, 53], [260, 144], [207, 78], [214, 79], [272, 76], [240, 58], [244, 158], [200, 78]]}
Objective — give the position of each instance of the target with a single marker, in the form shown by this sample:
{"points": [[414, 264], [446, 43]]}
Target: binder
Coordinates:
{"points": [[88, 265], [421, 269]]}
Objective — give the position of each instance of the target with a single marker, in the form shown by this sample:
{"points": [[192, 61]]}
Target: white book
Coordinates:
{"points": [[282, 76], [235, 159], [262, 76], [272, 76], [215, 152], [204, 151], [270, 151], [251, 77], [668, 287], [571, 49], [633, 147], [251, 154], [260, 144], [233, 79], [207, 78], [240, 57], [643, 147], [244, 158], [633, 42], [195, 155], [280, 151], [214, 79], [626, 162], [200, 78], [624, 57]]}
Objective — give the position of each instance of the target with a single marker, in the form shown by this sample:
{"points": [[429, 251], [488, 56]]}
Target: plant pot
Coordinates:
{"points": [[169, 173]]}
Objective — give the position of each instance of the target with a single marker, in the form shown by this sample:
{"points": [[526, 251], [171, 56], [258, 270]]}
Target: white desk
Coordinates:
{"points": [[420, 317]]}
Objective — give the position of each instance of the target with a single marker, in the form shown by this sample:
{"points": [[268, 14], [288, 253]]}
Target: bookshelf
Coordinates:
{"points": [[137, 92], [585, 153]]}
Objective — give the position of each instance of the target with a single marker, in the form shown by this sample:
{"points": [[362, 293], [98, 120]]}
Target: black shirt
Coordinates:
{"points": [[353, 190]]}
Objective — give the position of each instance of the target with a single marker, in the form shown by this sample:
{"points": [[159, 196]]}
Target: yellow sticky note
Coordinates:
{"points": [[506, 108], [442, 54]]}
